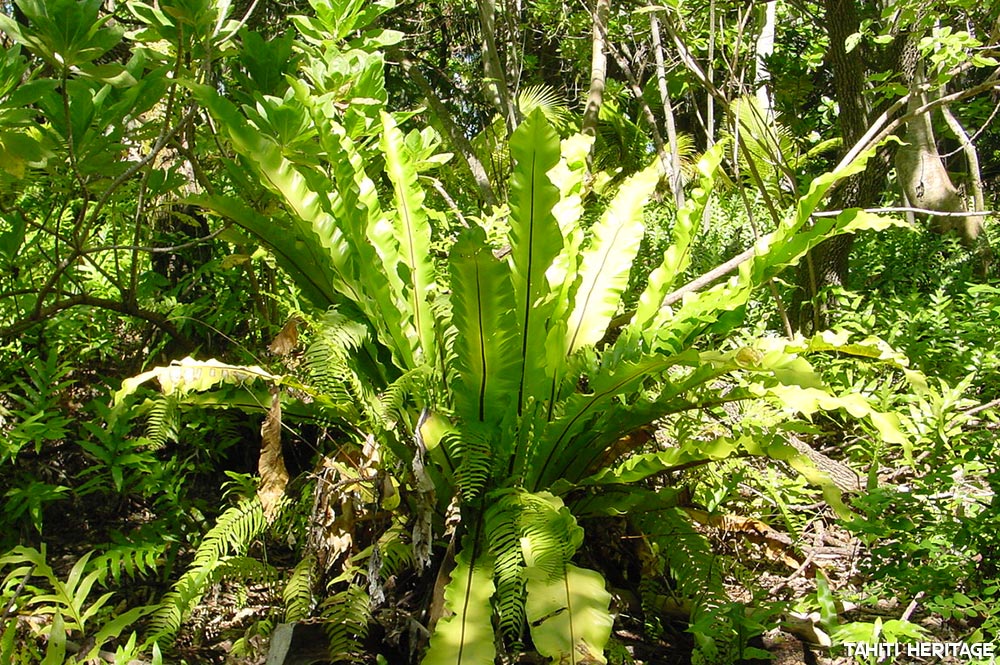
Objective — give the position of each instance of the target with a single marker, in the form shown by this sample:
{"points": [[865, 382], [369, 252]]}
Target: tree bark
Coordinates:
{"points": [[598, 69], [676, 181], [764, 49], [496, 79], [456, 138], [826, 264]]}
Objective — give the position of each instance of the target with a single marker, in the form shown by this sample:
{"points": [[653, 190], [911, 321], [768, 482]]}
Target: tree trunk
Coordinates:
{"points": [[826, 265], [764, 49], [676, 181], [923, 176], [598, 69], [496, 80]]}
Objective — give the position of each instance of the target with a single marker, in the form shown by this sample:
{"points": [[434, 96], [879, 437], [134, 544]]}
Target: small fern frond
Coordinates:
{"points": [[346, 615], [687, 556], [475, 459], [393, 399], [234, 531], [132, 559], [504, 538], [244, 570], [162, 420], [298, 591], [567, 607]]}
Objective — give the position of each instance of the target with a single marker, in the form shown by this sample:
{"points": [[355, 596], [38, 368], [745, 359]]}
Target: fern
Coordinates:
{"points": [[298, 591], [162, 420], [567, 607], [475, 458], [234, 531], [504, 537], [131, 559], [346, 615]]}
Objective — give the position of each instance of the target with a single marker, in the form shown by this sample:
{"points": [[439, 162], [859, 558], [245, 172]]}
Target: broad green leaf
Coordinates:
{"points": [[466, 637], [55, 652], [190, 375], [567, 607], [677, 257], [486, 352], [535, 241], [608, 260], [359, 212], [412, 262]]}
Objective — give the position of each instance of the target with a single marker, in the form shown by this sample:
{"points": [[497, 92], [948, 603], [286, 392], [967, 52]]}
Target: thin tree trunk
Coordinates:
{"points": [[764, 49], [456, 137], [647, 113], [598, 69], [496, 79], [971, 156], [826, 264], [676, 184]]}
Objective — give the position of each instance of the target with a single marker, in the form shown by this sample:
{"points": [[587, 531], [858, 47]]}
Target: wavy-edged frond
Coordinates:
{"points": [[293, 247], [677, 257], [372, 237], [411, 260], [466, 637], [486, 353], [567, 607], [235, 529], [190, 375], [607, 261], [776, 251], [762, 141], [298, 592], [535, 240], [305, 191]]}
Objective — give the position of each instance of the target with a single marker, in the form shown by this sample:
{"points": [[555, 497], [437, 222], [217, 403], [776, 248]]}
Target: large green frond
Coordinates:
{"points": [[677, 257], [359, 212], [535, 240], [567, 607], [466, 637], [608, 260], [486, 352], [412, 260]]}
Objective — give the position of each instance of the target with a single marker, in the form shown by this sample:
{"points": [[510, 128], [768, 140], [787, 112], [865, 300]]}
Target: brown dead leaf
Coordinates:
{"points": [[286, 340], [778, 546], [273, 474]]}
